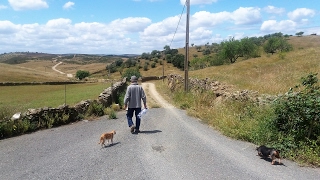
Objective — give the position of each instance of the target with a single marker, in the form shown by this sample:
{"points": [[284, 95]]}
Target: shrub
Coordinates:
{"points": [[82, 74], [6, 129], [145, 67], [112, 114], [131, 72], [121, 98], [95, 109], [48, 121], [297, 113], [153, 65]]}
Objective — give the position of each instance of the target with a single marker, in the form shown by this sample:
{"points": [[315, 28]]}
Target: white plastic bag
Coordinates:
{"points": [[143, 112]]}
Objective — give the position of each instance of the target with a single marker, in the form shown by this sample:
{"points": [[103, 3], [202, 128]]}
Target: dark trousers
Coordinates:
{"points": [[130, 113]]}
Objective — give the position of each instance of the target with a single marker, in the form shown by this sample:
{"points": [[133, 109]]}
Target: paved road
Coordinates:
{"points": [[171, 146]]}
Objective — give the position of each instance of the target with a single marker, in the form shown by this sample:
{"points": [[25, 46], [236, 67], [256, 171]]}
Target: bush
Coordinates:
{"points": [[297, 113], [95, 109], [131, 72], [82, 74], [145, 67], [121, 99], [112, 114]]}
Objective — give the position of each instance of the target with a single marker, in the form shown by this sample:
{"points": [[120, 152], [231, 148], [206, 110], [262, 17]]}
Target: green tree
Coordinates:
{"points": [[131, 72], [82, 74], [248, 48], [118, 62], [231, 50], [178, 61], [146, 56], [111, 68], [275, 44], [166, 49], [299, 34], [169, 58], [198, 63], [155, 54]]}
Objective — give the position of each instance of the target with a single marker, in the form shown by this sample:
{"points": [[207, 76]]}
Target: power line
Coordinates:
{"points": [[178, 23]]}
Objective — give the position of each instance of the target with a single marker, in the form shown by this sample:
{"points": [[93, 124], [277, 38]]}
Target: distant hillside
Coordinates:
{"points": [[22, 57]]}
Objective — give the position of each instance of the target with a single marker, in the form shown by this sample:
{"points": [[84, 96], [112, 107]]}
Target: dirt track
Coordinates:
{"points": [[155, 96]]}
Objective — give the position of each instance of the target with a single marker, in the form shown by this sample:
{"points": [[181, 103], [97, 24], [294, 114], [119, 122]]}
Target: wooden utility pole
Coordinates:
{"points": [[186, 61]]}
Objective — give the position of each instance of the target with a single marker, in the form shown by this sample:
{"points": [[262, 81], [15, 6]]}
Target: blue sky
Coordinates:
{"points": [[137, 26]]}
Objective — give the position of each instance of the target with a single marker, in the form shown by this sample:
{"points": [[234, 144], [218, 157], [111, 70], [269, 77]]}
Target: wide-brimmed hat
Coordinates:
{"points": [[134, 79]]}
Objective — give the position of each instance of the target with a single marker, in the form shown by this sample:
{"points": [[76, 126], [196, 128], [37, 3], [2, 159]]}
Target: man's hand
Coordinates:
{"points": [[125, 107]]}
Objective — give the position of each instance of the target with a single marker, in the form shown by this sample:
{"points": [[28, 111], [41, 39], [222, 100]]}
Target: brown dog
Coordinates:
{"points": [[107, 136], [265, 152]]}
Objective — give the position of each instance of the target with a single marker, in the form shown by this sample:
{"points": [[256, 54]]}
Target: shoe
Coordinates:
{"points": [[132, 128], [137, 131]]}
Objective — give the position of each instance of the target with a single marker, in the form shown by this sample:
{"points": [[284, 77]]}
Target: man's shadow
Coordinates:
{"points": [[150, 132]]}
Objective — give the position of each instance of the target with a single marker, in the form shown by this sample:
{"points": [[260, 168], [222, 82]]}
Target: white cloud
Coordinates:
{"points": [[204, 18], [68, 5], [58, 23], [202, 24], [63, 36], [19, 5], [3, 7], [131, 24], [163, 28], [240, 16], [195, 2], [300, 14], [7, 27], [247, 15], [274, 10], [272, 26]]}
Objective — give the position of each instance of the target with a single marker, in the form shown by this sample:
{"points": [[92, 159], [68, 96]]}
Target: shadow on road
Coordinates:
{"points": [[269, 160], [110, 145], [150, 132]]}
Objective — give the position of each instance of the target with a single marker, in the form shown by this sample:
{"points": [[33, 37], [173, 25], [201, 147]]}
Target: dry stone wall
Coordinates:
{"points": [[222, 91]]}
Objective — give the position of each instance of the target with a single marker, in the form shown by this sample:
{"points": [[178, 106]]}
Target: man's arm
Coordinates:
{"points": [[144, 98], [126, 98]]}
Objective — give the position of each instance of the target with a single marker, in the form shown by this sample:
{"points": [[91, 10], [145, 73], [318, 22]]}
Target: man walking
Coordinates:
{"points": [[132, 101]]}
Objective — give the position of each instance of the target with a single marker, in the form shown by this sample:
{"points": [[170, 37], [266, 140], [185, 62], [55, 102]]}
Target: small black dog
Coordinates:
{"points": [[265, 152]]}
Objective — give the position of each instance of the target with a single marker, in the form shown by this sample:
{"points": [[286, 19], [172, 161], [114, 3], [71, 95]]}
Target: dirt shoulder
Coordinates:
{"points": [[154, 99]]}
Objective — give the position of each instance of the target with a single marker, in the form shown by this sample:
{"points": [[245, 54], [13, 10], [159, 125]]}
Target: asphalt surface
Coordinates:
{"points": [[170, 146]]}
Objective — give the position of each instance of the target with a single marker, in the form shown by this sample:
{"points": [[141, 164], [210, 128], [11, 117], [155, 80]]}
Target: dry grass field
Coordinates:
{"points": [[18, 73]]}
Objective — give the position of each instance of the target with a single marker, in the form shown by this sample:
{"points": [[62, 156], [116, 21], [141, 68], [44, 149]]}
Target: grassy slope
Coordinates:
{"points": [[269, 74]]}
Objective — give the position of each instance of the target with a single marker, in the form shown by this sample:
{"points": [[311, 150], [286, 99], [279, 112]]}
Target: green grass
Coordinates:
{"points": [[20, 98]]}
